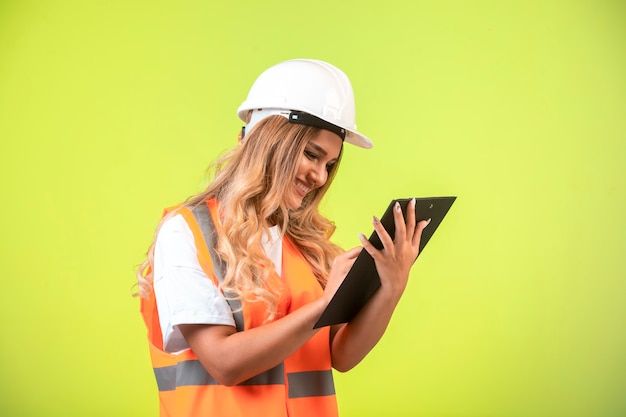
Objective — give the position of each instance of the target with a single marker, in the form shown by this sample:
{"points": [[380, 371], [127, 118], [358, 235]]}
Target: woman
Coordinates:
{"points": [[239, 274]]}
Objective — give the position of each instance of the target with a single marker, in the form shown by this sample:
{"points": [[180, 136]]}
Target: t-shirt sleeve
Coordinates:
{"points": [[184, 293]]}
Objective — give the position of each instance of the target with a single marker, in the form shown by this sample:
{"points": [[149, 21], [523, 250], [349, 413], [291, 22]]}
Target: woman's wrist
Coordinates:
{"points": [[391, 292], [319, 305]]}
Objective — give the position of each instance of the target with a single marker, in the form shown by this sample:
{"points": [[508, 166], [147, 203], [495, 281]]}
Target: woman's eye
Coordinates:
{"points": [[310, 155]]}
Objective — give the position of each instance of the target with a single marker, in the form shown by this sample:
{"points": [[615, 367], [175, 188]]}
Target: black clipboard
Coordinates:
{"points": [[362, 280]]}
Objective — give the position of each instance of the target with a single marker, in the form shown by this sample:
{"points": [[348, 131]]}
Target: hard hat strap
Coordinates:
{"points": [[303, 118], [294, 116]]}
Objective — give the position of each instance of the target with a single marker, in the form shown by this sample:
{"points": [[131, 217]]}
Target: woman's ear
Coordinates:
{"points": [[242, 133]]}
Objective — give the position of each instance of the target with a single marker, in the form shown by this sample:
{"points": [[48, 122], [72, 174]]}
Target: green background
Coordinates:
{"points": [[112, 110]]}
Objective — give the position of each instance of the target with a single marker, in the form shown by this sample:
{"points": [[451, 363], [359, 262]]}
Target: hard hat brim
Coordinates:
{"points": [[357, 139]]}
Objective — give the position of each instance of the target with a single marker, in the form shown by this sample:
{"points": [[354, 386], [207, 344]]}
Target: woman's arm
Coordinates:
{"points": [[232, 357], [351, 342]]}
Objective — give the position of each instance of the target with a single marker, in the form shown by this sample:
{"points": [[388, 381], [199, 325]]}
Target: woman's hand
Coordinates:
{"points": [[352, 341], [395, 260], [341, 267]]}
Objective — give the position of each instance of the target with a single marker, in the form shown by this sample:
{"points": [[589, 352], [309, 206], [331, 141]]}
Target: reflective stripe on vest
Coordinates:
{"points": [[209, 232], [301, 384], [192, 372]]}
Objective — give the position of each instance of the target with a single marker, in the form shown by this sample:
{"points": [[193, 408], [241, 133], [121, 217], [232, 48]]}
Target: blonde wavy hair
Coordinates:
{"points": [[250, 183]]}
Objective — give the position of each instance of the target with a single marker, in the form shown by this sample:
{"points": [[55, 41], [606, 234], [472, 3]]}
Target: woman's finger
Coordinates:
{"points": [[385, 239], [417, 237], [345, 261], [410, 220], [352, 253], [368, 246], [398, 218]]}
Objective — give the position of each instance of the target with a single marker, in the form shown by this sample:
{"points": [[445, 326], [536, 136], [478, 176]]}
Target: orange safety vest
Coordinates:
{"points": [[301, 386]]}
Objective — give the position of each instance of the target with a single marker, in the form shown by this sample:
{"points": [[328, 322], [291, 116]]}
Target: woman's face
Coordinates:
{"points": [[319, 156]]}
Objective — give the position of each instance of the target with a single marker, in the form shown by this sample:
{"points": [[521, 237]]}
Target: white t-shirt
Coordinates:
{"points": [[184, 293]]}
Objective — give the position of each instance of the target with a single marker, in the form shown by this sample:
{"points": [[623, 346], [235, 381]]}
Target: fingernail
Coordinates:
{"points": [[362, 237], [375, 221], [428, 222], [397, 207], [412, 202]]}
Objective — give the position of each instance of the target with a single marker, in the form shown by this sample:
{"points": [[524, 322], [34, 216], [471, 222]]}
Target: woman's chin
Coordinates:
{"points": [[294, 203]]}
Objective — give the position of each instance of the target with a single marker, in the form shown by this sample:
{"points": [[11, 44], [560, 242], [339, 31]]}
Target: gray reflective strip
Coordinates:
{"points": [[193, 373], [209, 232], [310, 384], [274, 376], [166, 378]]}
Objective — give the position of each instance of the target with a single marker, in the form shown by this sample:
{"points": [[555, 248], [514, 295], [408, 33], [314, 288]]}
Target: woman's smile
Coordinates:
{"points": [[318, 158]]}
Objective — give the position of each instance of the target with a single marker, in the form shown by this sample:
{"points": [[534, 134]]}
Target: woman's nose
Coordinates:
{"points": [[319, 175]]}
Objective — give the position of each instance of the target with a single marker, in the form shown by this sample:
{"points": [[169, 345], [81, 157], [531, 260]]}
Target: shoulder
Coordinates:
{"points": [[174, 243], [173, 224], [174, 227]]}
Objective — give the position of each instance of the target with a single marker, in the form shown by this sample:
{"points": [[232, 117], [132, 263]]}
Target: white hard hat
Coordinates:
{"points": [[301, 88]]}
